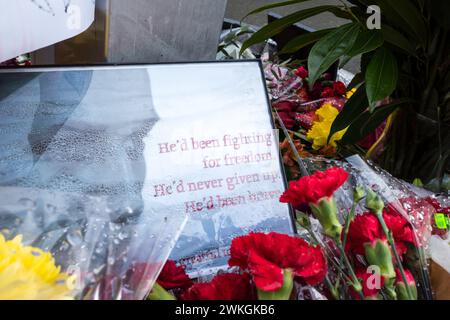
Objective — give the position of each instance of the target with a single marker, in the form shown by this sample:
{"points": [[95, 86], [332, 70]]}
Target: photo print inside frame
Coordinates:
{"points": [[113, 168]]}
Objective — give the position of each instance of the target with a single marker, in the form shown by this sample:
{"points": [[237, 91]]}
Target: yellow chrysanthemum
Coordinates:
{"points": [[318, 134], [28, 273]]}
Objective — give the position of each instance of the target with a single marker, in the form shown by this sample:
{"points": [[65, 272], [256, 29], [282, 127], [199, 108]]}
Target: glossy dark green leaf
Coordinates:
{"points": [[406, 16], [381, 76], [279, 25], [367, 40], [354, 107], [330, 48], [398, 40], [274, 5], [440, 10], [304, 40], [368, 121]]}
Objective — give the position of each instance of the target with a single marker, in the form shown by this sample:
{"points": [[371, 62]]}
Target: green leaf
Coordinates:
{"points": [[381, 76], [354, 107], [279, 25], [440, 10], [273, 5], [368, 121], [304, 40], [330, 48], [406, 16], [367, 40], [398, 40]]}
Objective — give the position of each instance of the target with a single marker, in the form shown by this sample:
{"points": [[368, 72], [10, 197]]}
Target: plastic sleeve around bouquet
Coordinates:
{"points": [[73, 177], [398, 195]]}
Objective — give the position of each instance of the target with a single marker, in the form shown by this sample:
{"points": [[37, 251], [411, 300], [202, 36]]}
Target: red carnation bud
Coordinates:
{"points": [[408, 275], [339, 88], [327, 93], [327, 76], [302, 72], [401, 287]]}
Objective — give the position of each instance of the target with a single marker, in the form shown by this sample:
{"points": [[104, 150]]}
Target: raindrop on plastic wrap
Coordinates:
{"points": [[122, 235], [74, 237]]}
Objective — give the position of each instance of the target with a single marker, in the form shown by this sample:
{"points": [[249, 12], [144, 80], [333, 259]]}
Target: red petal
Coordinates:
{"points": [[266, 275]]}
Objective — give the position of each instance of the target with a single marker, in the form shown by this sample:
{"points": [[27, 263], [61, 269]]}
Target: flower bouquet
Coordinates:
{"points": [[307, 111], [356, 241]]}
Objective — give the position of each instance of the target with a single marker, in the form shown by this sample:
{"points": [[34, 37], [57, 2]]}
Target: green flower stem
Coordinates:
{"points": [[328, 254], [348, 220], [333, 289], [355, 282], [388, 234]]}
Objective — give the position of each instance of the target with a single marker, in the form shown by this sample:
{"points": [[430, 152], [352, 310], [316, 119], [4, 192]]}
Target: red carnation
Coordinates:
{"points": [[366, 229], [311, 189], [229, 286], [339, 88], [369, 290], [363, 229], [173, 276], [401, 229], [402, 288], [327, 92], [302, 72], [266, 256], [408, 275]]}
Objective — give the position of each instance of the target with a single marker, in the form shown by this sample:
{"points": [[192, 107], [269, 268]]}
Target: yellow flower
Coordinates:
{"points": [[318, 134], [28, 273], [350, 93]]}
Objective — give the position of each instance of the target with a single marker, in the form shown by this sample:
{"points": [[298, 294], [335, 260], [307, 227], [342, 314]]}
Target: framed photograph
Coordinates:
{"points": [[132, 163]]}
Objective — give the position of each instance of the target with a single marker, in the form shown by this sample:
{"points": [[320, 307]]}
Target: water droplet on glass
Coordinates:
{"points": [[28, 203]]}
